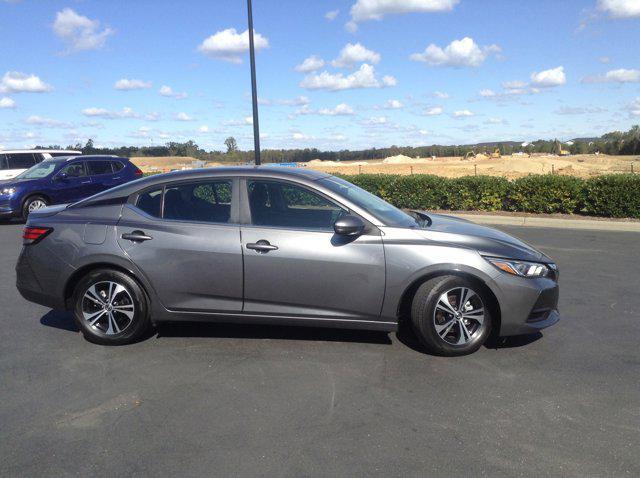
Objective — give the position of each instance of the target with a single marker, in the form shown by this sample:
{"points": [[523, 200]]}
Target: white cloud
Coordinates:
{"points": [[604, 59], [353, 54], [620, 8], [487, 93], [549, 78], [168, 92], [496, 121], [248, 120], [183, 117], [393, 105], [47, 122], [621, 75], [7, 102], [331, 15], [434, 111], [342, 109], [579, 110], [375, 121], [297, 136], [79, 32], [297, 101], [310, 64], [364, 77], [152, 116], [203, 129], [440, 94], [458, 53], [462, 114], [16, 82], [125, 113], [131, 84], [634, 107], [231, 46], [514, 85], [364, 10]]}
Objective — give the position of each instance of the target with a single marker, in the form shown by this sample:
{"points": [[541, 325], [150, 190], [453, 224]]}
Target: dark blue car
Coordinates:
{"points": [[63, 180]]}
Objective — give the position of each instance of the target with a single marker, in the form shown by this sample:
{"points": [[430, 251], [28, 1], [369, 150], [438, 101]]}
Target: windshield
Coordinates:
{"points": [[382, 210], [41, 170]]}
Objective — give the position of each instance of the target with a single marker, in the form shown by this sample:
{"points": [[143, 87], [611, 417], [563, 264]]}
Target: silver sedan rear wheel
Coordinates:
{"points": [[458, 315], [108, 307]]}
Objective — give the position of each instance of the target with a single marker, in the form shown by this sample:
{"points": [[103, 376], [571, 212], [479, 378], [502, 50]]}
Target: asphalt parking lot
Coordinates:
{"points": [[212, 400]]}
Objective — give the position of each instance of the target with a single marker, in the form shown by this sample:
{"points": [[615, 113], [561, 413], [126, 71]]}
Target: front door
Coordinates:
{"points": [[308, 270], [185, 239], [71, 184]]}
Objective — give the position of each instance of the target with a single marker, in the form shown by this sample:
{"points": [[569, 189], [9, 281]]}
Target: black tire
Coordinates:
{"points": [[127, 319], [424, 316], [29, 201]]}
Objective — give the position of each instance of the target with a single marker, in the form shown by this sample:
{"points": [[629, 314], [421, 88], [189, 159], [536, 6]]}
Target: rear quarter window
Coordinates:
{"points": [[117, 166], [151, 202], [96, 168]]}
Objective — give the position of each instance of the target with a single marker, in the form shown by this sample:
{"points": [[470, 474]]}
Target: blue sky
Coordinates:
{"points": [[378, 72]]}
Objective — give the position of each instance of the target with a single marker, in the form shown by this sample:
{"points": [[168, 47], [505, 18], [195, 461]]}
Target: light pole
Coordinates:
{"points": [[254, 89]]}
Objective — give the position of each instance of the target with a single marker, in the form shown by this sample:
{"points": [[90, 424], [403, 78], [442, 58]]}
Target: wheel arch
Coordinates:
{"points": [[406, 299], [82, 271]]}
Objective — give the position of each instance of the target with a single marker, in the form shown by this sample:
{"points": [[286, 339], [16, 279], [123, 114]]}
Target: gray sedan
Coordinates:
{"points": [[274, 245]]}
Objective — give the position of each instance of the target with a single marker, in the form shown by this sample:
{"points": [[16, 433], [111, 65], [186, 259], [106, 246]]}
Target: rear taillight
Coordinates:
{"points": [[33, 235], [138, 172]]}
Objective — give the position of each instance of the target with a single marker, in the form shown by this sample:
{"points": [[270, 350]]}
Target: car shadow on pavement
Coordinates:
{"points": [[64, 320], [276, 332], [59, 319], [407, 336]]}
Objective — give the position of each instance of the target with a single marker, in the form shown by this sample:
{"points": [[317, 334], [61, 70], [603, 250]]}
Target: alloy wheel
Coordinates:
{"points": [[108, 307], [36, 204], [458, 315]]}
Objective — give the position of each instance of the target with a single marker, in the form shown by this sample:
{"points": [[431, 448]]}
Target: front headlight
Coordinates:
{"points": [[522, 268], [7, 191]]}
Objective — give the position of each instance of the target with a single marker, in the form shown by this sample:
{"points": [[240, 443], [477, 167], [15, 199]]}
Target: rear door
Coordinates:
{"points": [[102, 175], [311, 271], [190, 248]]}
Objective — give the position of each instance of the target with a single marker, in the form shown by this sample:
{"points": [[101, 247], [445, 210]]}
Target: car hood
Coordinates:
{"points": [[18, 182], [486, 240]]}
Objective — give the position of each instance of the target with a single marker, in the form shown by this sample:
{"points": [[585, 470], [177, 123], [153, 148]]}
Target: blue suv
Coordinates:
{"points": [[63, 180]]}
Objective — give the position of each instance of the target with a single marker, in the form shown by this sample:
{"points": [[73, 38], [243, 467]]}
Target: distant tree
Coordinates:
{"points": [[88, 148], [231, 144]]}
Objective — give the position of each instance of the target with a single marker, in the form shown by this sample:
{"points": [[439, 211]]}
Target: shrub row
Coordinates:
{"points": [[609, 196]]}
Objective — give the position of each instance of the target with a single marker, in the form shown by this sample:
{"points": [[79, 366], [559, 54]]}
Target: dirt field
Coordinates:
{"points": [[584, 166]]}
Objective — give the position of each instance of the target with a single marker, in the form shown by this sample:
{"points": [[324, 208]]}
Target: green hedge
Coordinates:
{"points": [[609, 196]]}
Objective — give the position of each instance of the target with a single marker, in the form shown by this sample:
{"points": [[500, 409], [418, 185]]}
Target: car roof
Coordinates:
{"points": [[18, 151], [267, 171], [93, 157]]}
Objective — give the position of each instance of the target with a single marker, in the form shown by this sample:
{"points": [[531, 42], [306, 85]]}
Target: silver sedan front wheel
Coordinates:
{"points": [[36, 204], [458, 315]]}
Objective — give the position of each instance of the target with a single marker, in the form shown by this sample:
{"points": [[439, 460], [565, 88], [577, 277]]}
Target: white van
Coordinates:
{"points": [[13, 162]]}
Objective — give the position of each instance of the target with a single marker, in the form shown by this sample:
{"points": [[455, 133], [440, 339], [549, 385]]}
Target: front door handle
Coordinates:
{"points": [[136, 236], [262, 246]]}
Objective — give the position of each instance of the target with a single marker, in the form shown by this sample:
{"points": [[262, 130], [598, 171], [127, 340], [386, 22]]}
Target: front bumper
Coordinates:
{"points": [[7, 209], [526, 305]]}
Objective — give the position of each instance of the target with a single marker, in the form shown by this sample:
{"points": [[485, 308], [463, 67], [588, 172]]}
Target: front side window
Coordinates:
{"points": [[96, 168], [20, 160], [279, 204], [75, 170]]}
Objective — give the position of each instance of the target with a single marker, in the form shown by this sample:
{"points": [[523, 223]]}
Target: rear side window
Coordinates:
{"points": [[208, 201], [59, 155], [151, 202], [117, 166], [97, 168], [3, 161], [20, 160]]}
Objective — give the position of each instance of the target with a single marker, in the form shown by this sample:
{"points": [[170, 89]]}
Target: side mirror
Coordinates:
{"points": [[349, 226]]}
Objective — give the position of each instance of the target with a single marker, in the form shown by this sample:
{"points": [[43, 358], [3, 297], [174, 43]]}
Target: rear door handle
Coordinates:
{"points": [[136, 236], [262, 246]]}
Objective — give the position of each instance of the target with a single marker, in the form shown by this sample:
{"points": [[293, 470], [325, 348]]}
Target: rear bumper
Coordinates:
{"points": [[31, 288]]}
